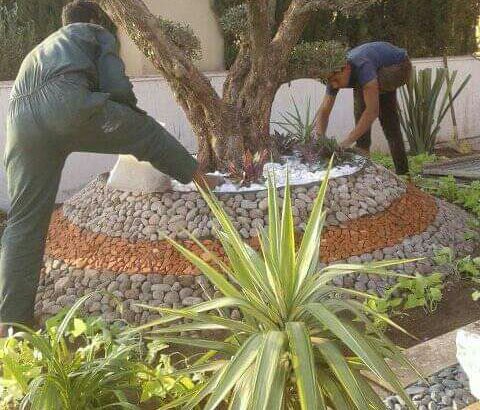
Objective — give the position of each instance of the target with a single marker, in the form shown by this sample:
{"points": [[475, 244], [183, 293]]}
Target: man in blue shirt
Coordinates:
{"points": [[374, 71], [71, 94]]}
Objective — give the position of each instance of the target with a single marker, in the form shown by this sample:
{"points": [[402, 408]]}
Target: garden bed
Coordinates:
{"points": [[456, 309], [103, 239]]}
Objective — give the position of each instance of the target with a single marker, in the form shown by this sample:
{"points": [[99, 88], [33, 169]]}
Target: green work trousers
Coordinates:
{"points": [[43, 128]]}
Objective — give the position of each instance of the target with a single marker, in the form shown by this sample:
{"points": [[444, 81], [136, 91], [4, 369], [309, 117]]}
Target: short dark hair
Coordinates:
{"points": [[84, 11]]}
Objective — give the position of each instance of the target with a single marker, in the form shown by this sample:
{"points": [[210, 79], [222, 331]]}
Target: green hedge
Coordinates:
{"points": [[23, 24], [425, 28]]}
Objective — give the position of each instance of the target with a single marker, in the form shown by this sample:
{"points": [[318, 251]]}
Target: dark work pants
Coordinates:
{"points": [[43, 128], [391, 127]]}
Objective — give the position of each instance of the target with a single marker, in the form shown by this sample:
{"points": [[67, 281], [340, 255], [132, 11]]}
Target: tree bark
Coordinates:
{"points": [[226, 126], [219, 135]]}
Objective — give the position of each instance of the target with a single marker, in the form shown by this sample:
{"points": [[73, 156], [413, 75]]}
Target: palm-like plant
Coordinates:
{"points": [[424, 107], [299, 128], [296, 346]]}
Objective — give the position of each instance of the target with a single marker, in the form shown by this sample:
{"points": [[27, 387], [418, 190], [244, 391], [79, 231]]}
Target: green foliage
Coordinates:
{"points": [[329, 55], [415, 162], [465, 268], [234, 21], [384, 160], [446, 188], [444, 256], [425, 102], [16, 40], [298, 128], [422, 291], [78, 364], [434, 28], [183, 37], [406, 294], [467, 196], [298, 137], [294, 346], [32, 22]]}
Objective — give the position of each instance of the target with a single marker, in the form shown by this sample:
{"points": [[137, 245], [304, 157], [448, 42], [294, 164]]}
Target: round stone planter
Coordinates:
{"points": [[105, 239]]}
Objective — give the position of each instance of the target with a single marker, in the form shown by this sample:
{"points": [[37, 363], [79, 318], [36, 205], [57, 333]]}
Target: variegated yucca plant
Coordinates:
{"points": [[296, 346]]}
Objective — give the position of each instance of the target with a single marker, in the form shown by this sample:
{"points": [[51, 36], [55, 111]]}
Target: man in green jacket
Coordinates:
{"points": [[71, 95]]}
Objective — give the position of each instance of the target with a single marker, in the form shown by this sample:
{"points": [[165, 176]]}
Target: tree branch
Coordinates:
{"points": [[272, 12], [238, 72], [348, 7], [291, 29], [298, 16], [259, 17], [144, 29]]}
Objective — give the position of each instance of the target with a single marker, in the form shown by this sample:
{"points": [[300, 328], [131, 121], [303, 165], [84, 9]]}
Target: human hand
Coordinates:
{"points": [[345, 144]]}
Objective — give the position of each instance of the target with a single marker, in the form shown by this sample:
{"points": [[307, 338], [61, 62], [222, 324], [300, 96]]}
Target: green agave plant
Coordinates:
{"points": [[425, 102], [299, 344], [298, 127]]}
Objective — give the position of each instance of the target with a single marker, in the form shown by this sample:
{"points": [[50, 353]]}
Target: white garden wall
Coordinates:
{"points": [[155, 97]]}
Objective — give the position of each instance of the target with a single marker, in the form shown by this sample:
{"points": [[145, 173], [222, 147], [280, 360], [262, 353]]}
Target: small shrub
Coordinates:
{"points": [[415, 162], [425, 103], [467, 196], [17, 38], [464, 268], [297, 126], [252, 168], [84, 363], [408, 293]]}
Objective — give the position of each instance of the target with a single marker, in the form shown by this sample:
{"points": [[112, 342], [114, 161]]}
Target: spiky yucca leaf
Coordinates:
{"points": [[425, 103], [293, 348]]}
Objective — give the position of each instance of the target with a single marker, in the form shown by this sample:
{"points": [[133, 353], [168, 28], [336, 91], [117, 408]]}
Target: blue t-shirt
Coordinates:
{"points": [[367, 59]]}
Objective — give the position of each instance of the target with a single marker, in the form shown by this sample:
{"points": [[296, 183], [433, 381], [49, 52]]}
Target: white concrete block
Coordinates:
{"points": [[131, 175], [468, 355]]}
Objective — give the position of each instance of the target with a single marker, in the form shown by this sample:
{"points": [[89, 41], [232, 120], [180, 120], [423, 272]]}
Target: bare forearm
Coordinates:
{"points": [[321, 123], [361, 128]]}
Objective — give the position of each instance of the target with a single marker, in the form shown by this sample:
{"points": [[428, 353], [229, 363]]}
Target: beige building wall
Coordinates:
{"points": [[201, 18]]}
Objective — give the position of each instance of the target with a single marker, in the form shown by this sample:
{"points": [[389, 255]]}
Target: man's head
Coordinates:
{"points": [[83, 11], [341, 78]]}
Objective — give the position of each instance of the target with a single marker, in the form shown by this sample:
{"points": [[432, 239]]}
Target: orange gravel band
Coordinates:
{"points": [[409, 215]]}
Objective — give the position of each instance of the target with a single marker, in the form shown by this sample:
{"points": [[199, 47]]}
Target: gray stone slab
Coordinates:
{"points": [[464, 167]]}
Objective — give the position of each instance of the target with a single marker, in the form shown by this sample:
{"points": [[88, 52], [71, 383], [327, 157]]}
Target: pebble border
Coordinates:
{"points": [[409, 215], [101, 209], [446, 390], [62, 283]]}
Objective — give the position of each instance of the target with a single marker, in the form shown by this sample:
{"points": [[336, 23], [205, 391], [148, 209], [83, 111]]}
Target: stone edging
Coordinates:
{"points": [[151, 217], [409, 215], [62, 283]]}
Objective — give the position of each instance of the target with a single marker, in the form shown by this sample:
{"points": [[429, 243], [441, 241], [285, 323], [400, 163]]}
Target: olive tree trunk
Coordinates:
{"points": [[227, 125]]}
